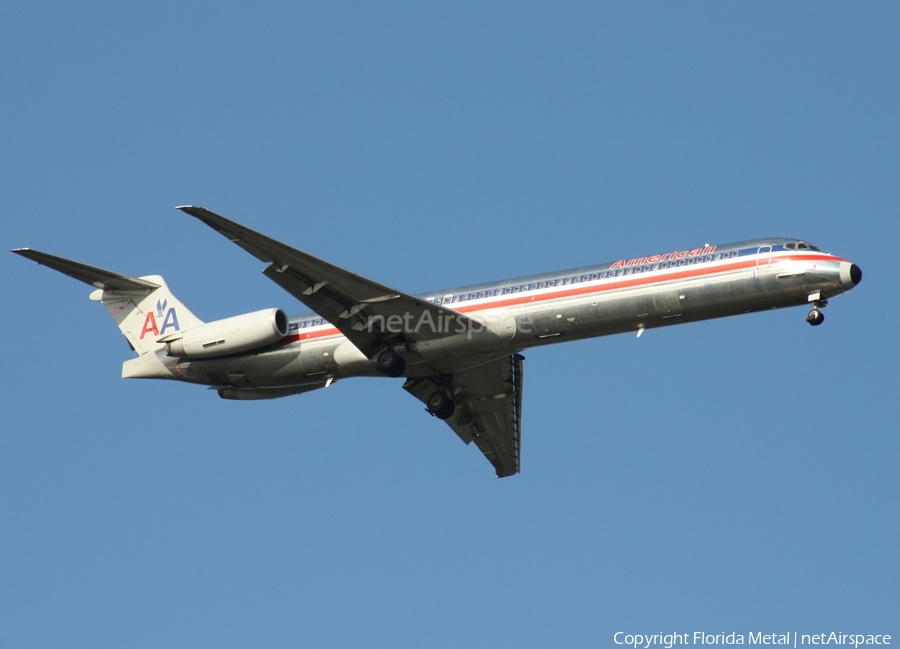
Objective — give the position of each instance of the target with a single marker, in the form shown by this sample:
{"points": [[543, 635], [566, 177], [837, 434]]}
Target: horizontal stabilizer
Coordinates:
{"points": [[97, 277]]}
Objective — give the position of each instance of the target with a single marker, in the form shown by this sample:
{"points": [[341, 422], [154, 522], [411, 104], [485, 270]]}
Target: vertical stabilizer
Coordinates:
{"points": [[145, 316]]}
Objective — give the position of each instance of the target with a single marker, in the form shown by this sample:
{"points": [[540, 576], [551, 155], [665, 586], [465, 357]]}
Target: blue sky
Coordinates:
{"points": [[734, 475]]}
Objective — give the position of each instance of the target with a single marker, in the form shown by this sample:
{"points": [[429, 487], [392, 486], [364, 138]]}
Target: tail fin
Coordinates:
{"points": [[143, 308]]}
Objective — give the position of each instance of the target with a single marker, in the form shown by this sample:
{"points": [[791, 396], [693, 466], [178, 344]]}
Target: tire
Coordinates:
{"points": [[440, 405], [390, 363], [815, 318]]}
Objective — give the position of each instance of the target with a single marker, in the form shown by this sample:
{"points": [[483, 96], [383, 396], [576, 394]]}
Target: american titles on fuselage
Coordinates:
{"points": [[652, 259]]}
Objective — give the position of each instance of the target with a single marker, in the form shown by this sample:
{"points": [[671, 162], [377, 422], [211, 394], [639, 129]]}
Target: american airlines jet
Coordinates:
{"points": [[457, 349]]}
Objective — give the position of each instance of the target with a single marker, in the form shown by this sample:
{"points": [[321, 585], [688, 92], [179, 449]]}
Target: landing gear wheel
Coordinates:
{"points": [[815, 317], [440, 405], [390, 363]]}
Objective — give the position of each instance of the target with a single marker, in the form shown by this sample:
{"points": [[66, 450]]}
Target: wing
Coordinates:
{"points": [[488, 408], [357, 306], [488, 396]]}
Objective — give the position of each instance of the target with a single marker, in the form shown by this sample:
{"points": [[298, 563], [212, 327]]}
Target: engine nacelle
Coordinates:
{"points": [[234, 335]]}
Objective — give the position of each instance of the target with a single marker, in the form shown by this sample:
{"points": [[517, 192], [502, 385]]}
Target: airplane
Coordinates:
{"points": [[458, 350]]}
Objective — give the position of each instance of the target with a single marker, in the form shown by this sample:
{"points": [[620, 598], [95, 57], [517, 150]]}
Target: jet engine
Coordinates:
{"points": [[233, 335]]}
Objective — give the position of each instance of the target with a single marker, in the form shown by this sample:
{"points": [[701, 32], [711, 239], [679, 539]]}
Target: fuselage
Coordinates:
{"points": [[626, 295]]}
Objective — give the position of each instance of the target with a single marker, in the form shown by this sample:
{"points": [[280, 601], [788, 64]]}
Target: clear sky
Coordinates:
{"points": [[734, 475]]}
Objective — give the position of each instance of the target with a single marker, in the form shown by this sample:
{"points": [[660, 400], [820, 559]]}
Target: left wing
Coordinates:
{"points": [[487, 396], [488, 408], [357, 306]]}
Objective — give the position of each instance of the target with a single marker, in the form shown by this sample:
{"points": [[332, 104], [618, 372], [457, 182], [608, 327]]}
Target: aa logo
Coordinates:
{"points": [[167, 316]]}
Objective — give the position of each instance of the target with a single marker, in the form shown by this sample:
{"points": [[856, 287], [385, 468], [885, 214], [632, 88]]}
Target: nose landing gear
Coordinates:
{"points": [[816, 317]]}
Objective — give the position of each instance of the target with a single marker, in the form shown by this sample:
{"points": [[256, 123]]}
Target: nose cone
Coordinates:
{"points": [[851, 275]]}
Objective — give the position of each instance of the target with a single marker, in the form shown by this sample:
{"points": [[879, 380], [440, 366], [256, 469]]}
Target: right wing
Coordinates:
{"points": [[356, 305], [488, 408]]}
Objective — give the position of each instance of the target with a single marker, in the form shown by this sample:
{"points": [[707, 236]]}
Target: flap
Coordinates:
{"points": [[488, 408]]}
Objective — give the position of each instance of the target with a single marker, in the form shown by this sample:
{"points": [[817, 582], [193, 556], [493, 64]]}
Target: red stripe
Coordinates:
{"points": [[607, 285]]}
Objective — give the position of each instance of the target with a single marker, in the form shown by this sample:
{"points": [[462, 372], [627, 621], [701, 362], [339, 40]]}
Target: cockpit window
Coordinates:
{"points": [[801, 245]]}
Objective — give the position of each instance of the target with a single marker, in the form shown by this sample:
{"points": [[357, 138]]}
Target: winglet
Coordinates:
{"points": [[97, 277]]}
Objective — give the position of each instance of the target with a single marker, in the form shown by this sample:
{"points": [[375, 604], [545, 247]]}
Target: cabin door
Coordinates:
{"points": [[763, 259]]}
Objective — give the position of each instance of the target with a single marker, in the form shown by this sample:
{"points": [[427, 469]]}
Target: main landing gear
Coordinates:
{"points": [[816, 317], [390, 363], [440, 405]]}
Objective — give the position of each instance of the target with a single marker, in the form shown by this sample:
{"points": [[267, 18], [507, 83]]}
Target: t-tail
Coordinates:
{"points": [[143, 307]]}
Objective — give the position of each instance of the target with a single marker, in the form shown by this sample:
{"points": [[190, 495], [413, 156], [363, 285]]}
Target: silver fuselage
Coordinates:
{"points": [[628, 295]]}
